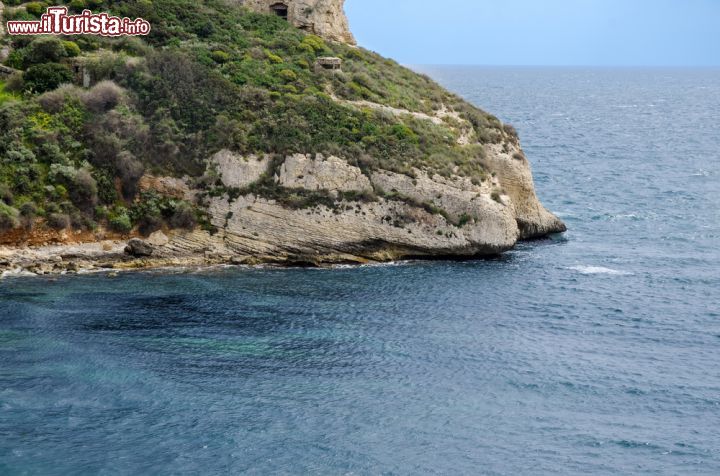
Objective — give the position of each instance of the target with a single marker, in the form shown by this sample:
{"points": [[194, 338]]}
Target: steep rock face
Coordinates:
{"points": [[237, 171], [420, 216], [319, 173], [512, 169], [325, 18]]}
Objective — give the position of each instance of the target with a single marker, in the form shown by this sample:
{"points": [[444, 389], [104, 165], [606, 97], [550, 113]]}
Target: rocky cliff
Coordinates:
{"points": [[414, 216], [417, 215], [325, 18], [234, 148]]}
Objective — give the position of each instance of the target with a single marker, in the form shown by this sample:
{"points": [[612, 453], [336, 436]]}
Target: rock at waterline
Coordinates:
{"points": [[137, 247]]}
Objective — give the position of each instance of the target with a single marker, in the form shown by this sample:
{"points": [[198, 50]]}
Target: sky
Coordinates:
{"points": [[540, 32]]}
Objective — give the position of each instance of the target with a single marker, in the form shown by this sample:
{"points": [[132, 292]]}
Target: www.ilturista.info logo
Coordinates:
{"points": [[56, 21]]}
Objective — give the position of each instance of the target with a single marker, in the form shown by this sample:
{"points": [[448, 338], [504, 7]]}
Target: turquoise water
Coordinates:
{"points": [[596, 352]]}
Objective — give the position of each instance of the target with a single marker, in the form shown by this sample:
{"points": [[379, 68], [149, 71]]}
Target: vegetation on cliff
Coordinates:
{"points": [[210, 76]]}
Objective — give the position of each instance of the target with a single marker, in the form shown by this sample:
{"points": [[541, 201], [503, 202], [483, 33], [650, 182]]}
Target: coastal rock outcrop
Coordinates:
{"points": [[407, 169], [513, 171], [377, 216], [325, 18]]}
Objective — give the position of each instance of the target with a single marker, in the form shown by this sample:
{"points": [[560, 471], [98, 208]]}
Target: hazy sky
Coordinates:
{"points": [[541, 32]]}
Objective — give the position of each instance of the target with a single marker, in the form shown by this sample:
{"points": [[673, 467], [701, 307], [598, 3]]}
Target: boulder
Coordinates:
{"points": [[138, 248], [157, 239]]}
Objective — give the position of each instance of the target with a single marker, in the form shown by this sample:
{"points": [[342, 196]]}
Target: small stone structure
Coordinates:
{"points": [[328, 63], [81, 73]]}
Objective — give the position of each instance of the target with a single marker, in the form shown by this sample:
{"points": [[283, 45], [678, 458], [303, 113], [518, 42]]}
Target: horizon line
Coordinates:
{"points": [[604, 66]]}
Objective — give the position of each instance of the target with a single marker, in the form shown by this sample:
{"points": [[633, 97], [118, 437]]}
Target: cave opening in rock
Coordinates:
{"points": [[280, 9]]}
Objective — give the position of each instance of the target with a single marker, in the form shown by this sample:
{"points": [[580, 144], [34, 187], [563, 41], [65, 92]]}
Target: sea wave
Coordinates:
{"points": [[583, 269]]}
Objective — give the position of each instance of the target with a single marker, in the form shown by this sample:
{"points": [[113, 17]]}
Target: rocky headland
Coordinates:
{"points": [[428, 176]]}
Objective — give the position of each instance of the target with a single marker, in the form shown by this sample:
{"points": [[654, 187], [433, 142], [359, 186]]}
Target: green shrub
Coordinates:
{"points": [[220, 56], [28, 211], [35, 8], [274, 58], [119, 221], [44, 49], [150, 223], [132, 45], [6, 194], [46, 77], [288, 75], [58, 221], [463, 220], [83, 190], [183, 217], [8, 218], [315, 43], [16, 59], [77, 6], [71, 49], [103, 97], [12, 87]]}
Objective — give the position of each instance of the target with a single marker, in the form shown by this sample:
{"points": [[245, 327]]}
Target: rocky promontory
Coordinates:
{"points": [[260, 137]]}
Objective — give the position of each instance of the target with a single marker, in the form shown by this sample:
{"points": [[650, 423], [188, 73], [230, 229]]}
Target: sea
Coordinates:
{"points": [[592, 352]]}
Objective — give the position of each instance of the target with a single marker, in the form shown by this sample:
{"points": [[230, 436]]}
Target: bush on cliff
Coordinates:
{"points": [[46, 77], [58, 221], [8, 218]]}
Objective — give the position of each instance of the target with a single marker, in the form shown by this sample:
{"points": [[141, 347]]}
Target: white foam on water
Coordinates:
{"points": [[17, 272], [598, 270]]}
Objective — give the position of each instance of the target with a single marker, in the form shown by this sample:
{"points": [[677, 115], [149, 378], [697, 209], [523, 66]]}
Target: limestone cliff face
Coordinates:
{"points": [[425, 215], [325, 18], [422, 216], [512, 170]]}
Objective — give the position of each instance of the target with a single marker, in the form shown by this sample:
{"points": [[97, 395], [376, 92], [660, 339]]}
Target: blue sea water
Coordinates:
{"points": [[597, 352]]}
